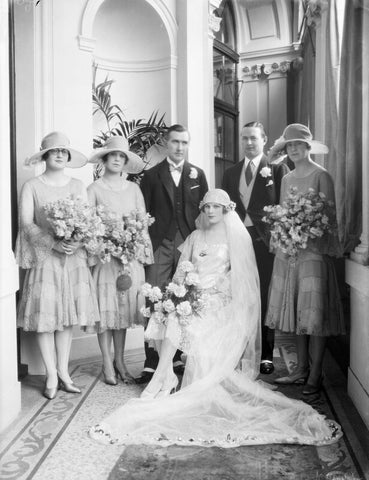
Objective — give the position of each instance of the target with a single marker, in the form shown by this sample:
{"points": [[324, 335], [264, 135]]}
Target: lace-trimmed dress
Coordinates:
{"points": [[217, 405], [118, 310], [304, 296], [58, 290], [213, 267]]}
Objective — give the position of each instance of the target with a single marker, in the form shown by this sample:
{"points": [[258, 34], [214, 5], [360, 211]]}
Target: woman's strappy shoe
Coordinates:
{"points": [[169, 388], [147, 393], [295, 378], [126, 378]]}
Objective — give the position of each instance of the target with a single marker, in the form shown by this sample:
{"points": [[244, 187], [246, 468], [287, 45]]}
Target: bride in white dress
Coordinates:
{"points": [[218, 403]]}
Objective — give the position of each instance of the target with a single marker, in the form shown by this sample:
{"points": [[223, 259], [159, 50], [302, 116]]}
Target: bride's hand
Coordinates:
{"points": [[70, 246]]}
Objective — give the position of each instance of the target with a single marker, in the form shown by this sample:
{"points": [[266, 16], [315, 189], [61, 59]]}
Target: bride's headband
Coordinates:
{"points": [[216, 195]]}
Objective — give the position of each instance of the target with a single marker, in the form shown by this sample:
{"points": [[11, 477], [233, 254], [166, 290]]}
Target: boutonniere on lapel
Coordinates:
{"points": [[266, 172], [193, 173]]}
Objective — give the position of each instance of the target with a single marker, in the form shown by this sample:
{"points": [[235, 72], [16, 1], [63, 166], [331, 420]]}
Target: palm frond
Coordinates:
{"points": [[140, 133]]}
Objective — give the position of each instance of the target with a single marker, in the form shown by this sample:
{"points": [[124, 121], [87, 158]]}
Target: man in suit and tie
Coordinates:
{"points": [[252, 184], [172, 191]]}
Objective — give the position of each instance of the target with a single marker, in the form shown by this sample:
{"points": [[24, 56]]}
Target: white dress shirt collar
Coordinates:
{"points": [[180, 164], [255, 161]]}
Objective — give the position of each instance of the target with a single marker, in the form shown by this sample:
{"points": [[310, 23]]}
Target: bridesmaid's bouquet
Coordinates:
{"points": [[74, 219], [300, 218], [125, 237], [179, 300]]}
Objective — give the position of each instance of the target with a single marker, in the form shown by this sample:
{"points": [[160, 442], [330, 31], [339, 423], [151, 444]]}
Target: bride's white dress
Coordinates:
{"points": [[218, 404]]}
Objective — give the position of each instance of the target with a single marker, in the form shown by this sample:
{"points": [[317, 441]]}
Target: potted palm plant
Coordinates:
{"points": [[145, 137]]}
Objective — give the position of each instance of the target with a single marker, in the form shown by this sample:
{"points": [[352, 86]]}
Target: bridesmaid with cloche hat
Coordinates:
{"points": [[304, 296], [118, 286], [58, 290]]}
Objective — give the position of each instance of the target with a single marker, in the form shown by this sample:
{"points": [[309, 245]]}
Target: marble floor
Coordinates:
{"points": [[49, 438]]}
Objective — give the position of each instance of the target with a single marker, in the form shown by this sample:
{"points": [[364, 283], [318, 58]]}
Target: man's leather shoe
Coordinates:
{"points": [[179, 369], [145, 377], [266, 368]]}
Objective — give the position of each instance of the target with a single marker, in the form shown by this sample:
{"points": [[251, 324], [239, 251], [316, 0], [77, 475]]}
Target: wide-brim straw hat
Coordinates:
{"points": [[296, 132], [118, 144], [57, 140]]}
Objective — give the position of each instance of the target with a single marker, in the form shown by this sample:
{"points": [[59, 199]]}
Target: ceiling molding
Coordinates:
{"points": [[140, 66], [270, 52]]}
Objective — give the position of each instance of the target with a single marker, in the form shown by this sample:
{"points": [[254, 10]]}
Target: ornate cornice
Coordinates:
{"points": [[314, 10], [213, 19], [264, 70], [214, 23], [285, 51]]}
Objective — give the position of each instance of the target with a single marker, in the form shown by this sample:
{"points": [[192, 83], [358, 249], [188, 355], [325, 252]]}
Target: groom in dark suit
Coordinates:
{"points": [[172, 191], [252, 184]]}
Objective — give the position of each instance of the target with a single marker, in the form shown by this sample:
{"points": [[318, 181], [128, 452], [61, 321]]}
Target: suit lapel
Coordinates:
{"points": [[186, 181], [236, 182], [167, 180], [259, 184]]}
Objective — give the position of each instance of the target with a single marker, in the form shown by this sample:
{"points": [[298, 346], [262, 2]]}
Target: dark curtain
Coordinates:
{"points": [[347, 149], [332, 73]]}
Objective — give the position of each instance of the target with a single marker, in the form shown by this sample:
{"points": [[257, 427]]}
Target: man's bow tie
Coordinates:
{"points": [[175, 168]]}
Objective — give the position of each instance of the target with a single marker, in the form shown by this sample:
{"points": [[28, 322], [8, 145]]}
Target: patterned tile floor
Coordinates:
{"points": [[49, 439]]}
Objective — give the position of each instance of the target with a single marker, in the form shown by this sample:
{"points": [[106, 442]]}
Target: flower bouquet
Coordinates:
{"points": [[125, 238], [179, 300], [301, 217], [74, 219]]}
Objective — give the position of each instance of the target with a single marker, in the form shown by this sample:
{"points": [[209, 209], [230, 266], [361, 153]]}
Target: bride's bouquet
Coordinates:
{"points": [[74, 219], [181, 300], [301, 217], [125, 237]]}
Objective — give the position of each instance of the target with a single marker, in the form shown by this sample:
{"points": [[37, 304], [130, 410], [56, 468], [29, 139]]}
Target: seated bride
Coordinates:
{"points": [[211, 312]]}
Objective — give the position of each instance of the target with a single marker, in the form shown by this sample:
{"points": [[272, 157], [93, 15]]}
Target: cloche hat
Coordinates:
{"points": [[296, 132], [118, 144], [57, 140], [219, 196]]}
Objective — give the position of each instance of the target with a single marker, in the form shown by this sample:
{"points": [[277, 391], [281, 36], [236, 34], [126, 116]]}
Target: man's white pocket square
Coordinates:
{"points": [[195, 186]]}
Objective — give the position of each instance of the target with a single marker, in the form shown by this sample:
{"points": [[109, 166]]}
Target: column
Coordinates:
{"points": [[357, 269], [195, 103], [10, 395]]}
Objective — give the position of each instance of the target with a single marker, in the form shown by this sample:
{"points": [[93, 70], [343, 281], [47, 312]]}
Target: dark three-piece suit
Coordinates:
{"points": [[265, 191], [175, 209]]}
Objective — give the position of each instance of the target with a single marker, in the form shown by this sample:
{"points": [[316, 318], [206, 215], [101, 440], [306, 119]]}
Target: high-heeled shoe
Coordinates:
{"points": [[50, 393], [310, 389], [168, 388], [125, 378], [295, 378], [109, 379], [68, 387], [153, 393]]}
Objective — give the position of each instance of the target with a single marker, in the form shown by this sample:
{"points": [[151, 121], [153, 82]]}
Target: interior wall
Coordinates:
{"points": [[264, 33], [53, 92], [137, 93], [132, 48]]}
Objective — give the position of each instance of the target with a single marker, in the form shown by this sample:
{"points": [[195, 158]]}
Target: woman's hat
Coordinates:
{"points": [[296, 132], [219, 196], [118, 144], [57, 140]]}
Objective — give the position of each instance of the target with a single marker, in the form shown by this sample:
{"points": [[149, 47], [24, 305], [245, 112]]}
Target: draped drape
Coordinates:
{"points": [[306, 103], [345, 161], [332, 73]]}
